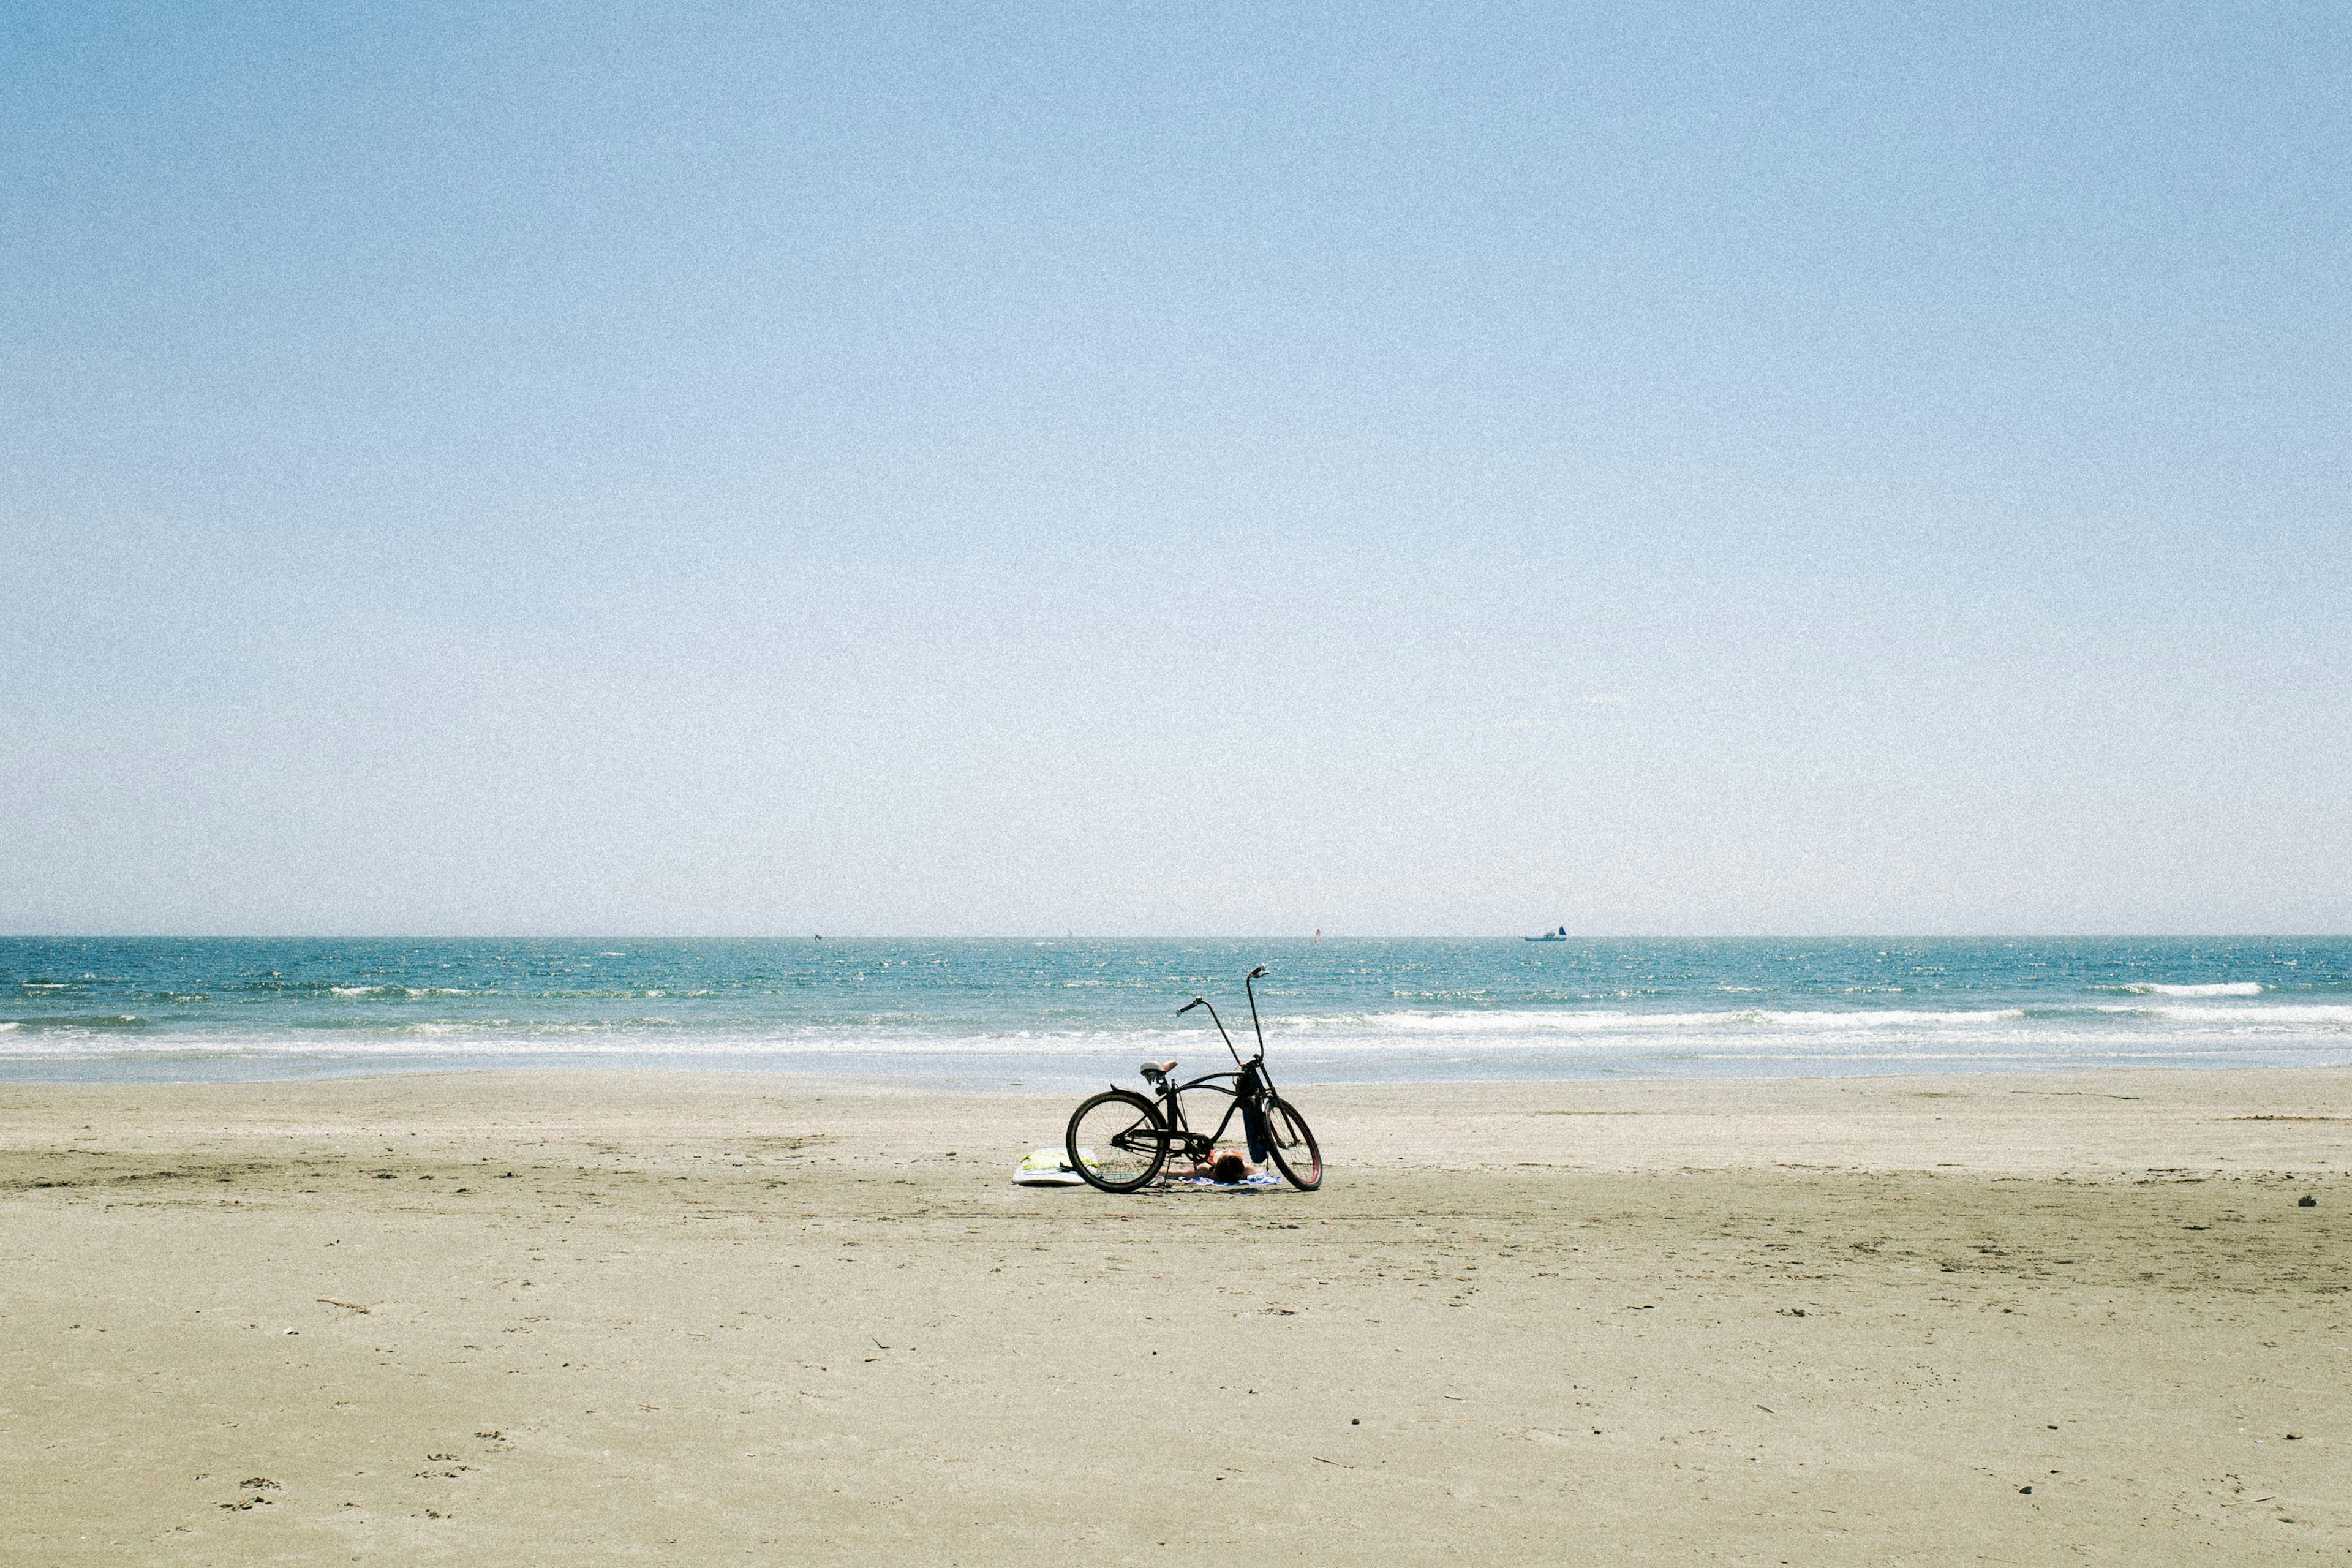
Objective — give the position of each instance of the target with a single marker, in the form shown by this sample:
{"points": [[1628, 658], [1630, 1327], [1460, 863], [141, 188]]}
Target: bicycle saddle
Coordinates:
{"points": [[1155, 1070]]}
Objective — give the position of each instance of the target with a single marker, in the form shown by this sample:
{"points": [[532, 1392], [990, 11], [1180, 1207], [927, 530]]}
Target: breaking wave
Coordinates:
{"points": [[2220, 988]]}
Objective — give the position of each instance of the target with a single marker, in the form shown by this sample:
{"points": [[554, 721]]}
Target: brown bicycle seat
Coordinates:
{"points": [[1157, 1070]]}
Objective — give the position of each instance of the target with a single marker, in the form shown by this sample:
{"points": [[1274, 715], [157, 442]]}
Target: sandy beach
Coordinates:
{"points": [[518, 1318]]}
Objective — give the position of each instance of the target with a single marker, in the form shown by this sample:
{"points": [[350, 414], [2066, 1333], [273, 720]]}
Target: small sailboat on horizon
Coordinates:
{"points": [[1560, 935]]}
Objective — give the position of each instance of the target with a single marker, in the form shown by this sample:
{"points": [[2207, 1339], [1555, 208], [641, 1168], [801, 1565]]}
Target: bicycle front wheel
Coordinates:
{"points": [[1116, 1140], [1293, 1146]]}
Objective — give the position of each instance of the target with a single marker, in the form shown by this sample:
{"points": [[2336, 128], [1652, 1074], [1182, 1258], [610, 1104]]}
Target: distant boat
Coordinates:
{"points": [[1560, 935]]}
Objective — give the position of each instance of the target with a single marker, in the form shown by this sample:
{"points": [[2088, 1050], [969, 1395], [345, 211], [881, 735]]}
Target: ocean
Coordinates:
{"points": [[1066, 1013]]}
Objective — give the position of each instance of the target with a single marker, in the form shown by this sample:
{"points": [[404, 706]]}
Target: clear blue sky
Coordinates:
{"points": [[730, 469]]}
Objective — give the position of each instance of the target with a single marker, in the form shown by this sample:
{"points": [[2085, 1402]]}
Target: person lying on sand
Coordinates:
{"points": [[1227, 1170]]}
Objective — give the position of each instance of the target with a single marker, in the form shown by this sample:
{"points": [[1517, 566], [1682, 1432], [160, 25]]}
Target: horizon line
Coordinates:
{"points": [[1310, 938]]}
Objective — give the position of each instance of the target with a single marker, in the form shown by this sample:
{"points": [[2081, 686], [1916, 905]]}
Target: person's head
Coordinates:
{"points": [[1228, 1168]]}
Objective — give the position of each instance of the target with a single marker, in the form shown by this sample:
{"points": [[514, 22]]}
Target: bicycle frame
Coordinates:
{"points": [[1250, 1081], [1181, 1139]]}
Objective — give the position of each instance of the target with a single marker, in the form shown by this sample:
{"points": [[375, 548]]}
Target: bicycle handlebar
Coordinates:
{"points": [[1195, 1001]]}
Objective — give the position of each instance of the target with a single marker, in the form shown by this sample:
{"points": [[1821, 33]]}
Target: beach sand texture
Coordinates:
{"points": [[521, 1319]]}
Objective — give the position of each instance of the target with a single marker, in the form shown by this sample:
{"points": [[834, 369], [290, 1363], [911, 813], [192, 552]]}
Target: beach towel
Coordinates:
{"points": [[1261, 1179]]}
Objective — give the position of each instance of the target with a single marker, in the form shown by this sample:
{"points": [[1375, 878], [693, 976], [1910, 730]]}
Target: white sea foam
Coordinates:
{"points": [[1502, 1021], [2277, 1013], [402, 991], [2213, 1025], [2280, 1013], [1993, 1040], [2225, 988]]}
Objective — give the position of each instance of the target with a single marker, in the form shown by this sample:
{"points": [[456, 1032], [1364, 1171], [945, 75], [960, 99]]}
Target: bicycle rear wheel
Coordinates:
{"points": [[1293, 1146], [1116, 1140]]}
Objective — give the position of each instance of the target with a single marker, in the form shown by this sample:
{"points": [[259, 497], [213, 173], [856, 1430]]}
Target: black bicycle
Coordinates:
{"points": [[1121, 1140]]}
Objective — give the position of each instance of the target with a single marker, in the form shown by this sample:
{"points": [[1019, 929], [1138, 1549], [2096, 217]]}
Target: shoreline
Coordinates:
{"points": [[1053, 1076]]}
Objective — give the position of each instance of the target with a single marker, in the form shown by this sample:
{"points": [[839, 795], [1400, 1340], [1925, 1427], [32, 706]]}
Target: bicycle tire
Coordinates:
{"points": [[1287, 1136], [1106, 1127]]}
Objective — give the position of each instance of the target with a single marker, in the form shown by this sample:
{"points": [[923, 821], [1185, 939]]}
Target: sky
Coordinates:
{"points": [[1394, 469]]}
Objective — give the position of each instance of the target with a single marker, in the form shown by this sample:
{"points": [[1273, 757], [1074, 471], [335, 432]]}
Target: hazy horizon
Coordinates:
{"points": [[1044, 937], [1731, 471]]}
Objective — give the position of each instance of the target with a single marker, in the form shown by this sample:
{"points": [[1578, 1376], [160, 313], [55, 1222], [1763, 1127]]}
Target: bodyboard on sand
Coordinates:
{"points": [[1050, 1168]]}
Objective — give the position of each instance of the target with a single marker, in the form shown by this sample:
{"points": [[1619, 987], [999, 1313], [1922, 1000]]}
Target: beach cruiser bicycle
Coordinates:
{"points": [[1121, 1141]]}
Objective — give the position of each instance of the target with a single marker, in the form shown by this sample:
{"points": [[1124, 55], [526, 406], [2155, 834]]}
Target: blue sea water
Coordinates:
{"points": [[1057, 1014]]}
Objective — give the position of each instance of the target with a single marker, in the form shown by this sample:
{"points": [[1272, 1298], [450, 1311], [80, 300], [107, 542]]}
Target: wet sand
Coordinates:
{"points": [[521, 1319]]}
